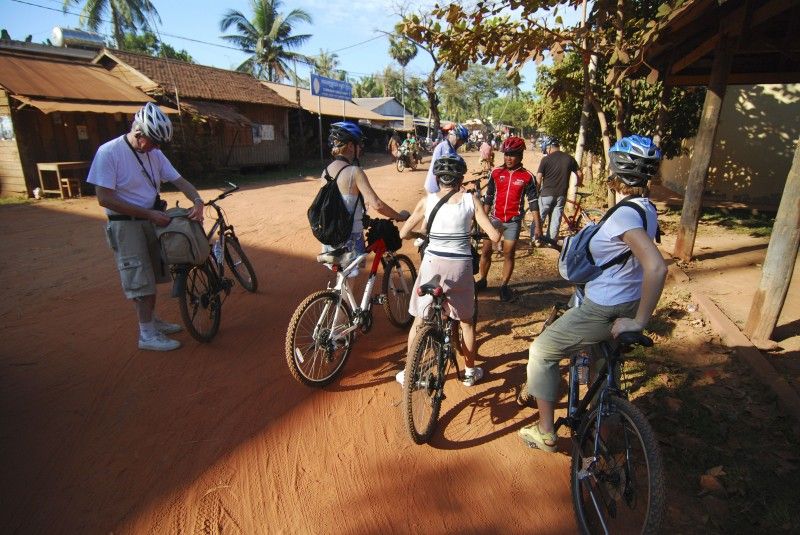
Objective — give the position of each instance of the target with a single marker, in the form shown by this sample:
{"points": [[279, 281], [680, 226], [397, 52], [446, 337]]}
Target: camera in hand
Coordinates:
{"points": [[159, 204]]}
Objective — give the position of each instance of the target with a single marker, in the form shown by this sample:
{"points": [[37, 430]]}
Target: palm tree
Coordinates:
{"points": [[125, 15], [326, 63], [267, 38], [402, 50]]}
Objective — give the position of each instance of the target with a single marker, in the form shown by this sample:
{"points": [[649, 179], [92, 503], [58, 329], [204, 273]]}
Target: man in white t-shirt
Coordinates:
{"points": [[127, 173], [621, 299]]}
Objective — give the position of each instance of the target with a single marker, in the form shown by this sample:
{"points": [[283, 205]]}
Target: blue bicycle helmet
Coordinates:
{"points": [[460, 132], [634, 159], [345, 132]]}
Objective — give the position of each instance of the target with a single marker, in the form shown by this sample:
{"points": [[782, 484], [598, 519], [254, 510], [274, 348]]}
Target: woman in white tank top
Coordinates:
{"points": [[448, 254]]}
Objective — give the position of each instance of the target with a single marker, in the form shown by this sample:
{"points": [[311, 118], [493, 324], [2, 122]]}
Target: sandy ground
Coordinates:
{"points": [[101, 437]]}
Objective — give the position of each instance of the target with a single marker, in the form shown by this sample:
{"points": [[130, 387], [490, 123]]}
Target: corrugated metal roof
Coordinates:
{"points": [[50, 78], [214, 110], [199, 81], [51, 105], [330, 106]]}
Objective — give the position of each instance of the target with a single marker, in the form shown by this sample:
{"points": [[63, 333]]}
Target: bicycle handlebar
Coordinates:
{"points": [[233, 187]]}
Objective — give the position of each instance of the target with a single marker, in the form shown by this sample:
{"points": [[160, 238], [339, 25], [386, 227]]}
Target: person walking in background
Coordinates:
{"points": [[552, 179], [509, 186], [456, 137], [448, 254], [487, 156], [127, 173], [393, 147]]}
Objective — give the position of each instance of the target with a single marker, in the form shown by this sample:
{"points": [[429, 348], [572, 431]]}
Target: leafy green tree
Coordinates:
{"points": [[126, 15], [327, 64], [267, 37], [149, 44], [367, 87]]}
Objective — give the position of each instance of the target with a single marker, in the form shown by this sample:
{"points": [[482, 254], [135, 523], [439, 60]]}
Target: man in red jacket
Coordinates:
{"points": [[508, 187]]}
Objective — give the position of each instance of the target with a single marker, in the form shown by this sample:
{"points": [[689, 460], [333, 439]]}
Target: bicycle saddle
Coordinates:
{"points": [[430, 287], [337, 256], [633, 338]]}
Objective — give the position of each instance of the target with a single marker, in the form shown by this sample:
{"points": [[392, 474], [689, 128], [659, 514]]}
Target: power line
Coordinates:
{"points": [[173, 35]]}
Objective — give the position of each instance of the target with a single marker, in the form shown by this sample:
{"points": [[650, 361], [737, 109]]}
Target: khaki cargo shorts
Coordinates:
{"points": [[138, 257]]}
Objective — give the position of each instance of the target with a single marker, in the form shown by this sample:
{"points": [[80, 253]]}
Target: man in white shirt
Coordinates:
{"points": [[127, 173]]}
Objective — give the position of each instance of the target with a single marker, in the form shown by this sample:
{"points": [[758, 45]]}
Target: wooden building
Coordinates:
{"points": [[313, 112], [227, 118], [56, 110]]}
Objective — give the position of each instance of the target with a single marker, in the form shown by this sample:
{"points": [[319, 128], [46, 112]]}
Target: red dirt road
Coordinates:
{"points": [[100, 437]]}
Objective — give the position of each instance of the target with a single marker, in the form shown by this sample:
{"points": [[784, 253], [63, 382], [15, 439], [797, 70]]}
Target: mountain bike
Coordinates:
{"points": [[202, 289], [322, 330], [432, 353], [616, 473]]}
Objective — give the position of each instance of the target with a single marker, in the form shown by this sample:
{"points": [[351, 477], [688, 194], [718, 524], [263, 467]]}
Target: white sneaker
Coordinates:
{"points": [[165, 327], [471, 378], [159, 342], [400, 377]]}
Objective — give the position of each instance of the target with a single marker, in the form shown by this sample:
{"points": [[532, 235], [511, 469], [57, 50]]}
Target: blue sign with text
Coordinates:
{"points": [[328, 87]]}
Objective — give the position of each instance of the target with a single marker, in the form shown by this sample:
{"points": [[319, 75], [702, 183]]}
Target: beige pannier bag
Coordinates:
{"points": [[183, 241]]}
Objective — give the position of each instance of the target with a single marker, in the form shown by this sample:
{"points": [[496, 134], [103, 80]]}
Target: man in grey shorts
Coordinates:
{"points": [[127, 173], [509, 187]]}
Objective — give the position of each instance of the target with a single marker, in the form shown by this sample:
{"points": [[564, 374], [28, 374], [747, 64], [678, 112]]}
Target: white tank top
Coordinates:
{"points": [[449, 234]]}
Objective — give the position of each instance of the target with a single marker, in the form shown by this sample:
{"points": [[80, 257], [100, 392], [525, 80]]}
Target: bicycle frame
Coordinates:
{"points": [[343, 289]]}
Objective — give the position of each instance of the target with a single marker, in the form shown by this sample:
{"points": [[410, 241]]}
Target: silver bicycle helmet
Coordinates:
{"points": [[154, 124]]}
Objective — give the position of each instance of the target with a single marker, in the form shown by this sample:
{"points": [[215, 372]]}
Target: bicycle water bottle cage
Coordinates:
{"points": [[630, 339]]}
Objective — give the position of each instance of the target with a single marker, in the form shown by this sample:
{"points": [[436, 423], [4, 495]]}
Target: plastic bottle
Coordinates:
{"points": [[216, 249], [582, 366]]}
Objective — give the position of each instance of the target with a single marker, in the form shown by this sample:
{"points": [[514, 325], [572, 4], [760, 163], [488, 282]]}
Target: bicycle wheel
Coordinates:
{"points": [[314, 356], [239, 264], [400, 164], [200, 304], [617, 475], [423, 385], [397, 285]]}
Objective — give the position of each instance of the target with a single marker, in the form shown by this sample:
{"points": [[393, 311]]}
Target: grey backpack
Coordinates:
{"points": [[183, 241]]}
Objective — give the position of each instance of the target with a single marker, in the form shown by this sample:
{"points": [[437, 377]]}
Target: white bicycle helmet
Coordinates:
{"points": [[154, 123]]}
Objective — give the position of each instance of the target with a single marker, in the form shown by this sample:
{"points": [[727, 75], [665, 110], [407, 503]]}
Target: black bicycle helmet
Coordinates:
{"points": [[449, 169], [634, 159], [345, 132]]}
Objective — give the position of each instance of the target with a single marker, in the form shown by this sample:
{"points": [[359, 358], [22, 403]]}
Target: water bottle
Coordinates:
{"points": [[216, 248], [582, 367]]}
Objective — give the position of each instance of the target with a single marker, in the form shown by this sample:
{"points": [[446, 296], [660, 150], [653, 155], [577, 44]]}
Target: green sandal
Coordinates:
{"points": [[534, 438]]}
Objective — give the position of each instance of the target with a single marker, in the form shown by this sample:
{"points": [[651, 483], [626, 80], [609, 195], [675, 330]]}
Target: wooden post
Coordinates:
{"points": [[776, 275], [703, 145]]}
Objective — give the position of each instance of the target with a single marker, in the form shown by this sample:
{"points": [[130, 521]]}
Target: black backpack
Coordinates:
{"points": [[330, 221]]}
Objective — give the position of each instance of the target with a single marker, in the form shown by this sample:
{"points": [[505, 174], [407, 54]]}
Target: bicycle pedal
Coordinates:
{"points": [[227, 284]]}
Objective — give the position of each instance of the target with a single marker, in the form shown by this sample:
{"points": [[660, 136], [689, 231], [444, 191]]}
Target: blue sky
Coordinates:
{"points": [[351, 29]]}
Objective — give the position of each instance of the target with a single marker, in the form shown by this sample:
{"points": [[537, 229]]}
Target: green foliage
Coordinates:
{"points": [[148, 43], [466, 96], [126, 15], [267, 37], [558, 110]]}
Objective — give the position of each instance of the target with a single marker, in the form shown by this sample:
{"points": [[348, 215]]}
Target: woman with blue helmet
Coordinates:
{"points": [[347, 143], [621, 299], [456, 137]]}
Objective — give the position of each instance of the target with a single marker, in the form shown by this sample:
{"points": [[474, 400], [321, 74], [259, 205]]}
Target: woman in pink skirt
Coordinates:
{"points": [[448, 254]]}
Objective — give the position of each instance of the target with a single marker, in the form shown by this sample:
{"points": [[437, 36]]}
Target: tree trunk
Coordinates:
{"points": [[703, 145], [776, 275]]}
